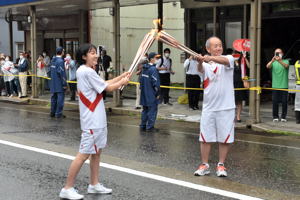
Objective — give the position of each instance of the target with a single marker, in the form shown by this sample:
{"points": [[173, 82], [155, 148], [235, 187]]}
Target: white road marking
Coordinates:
{"points": [[139, 173], [172, 131]]}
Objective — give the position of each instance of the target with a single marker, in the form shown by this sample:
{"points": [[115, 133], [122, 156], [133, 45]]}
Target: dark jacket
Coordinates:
{"points": [[150, 85], [24, 66], [58, 75]]}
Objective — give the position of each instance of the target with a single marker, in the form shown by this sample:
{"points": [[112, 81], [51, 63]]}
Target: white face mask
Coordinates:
{"points": [[21, 57], [44, 54], [68, 57], [167, 55], [156, 62], [6, 59], [280, 55]]}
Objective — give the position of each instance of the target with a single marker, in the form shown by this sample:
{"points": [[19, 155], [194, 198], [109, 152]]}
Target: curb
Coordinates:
{"points": [[129, 112]]}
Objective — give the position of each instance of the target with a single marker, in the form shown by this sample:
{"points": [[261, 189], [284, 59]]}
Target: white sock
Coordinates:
{"points": [[219, 163]]}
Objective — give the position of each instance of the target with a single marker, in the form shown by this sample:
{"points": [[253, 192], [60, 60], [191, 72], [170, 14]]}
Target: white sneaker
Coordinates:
{"points": [[202, 170], [98, 188], [20, 95], [276, 120], [283, 120], [70, 193], [221, 170]]}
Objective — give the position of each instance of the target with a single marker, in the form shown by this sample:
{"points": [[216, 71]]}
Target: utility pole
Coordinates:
{"points": [[253, 69], [160, 6], [33, 49], [116, 58]]}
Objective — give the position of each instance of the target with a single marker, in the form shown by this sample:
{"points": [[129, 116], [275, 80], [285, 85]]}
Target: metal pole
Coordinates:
{"points": [[215, 20], [245, 22], [258, 57], [11, 38], [160, 16], [33, 50], [116, 29], [253, 35]]}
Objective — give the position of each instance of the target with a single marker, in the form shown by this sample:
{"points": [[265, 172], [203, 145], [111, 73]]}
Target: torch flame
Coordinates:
{"points": [[157, 23]]}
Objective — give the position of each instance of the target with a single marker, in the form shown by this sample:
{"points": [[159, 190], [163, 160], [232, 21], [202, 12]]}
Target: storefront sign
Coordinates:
{"points": [[13, 2]]}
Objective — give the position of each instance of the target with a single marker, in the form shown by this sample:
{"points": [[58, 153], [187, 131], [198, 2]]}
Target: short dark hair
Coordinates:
{"points": [[167, 50], [83, 51]]}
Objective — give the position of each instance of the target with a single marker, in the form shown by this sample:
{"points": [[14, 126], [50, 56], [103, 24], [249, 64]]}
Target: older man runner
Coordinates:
{"points": [[217, 120]]}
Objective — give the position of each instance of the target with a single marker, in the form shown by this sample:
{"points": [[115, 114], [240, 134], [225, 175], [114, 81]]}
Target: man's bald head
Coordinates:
{"points": [[214, 46]]}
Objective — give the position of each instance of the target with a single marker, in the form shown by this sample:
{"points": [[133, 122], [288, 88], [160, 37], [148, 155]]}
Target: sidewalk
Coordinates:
{"points": [[177, 112]]}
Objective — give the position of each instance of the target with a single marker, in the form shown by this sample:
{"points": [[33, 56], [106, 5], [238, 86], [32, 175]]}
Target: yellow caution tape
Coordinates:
{"points": [[258, 89]]}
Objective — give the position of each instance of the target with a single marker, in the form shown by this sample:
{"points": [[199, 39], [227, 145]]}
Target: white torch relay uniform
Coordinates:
{"points": [[218, 113], [92, 111]]}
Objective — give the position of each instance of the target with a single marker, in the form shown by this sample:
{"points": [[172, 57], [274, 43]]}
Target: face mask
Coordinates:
{"points": [[44, 54], [167, 55], [68, 57], [156, 62], [6, 59], [280, 55], [21, 57]]}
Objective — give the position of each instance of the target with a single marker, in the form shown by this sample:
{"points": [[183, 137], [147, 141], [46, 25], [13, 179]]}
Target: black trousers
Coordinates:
{"points": [[193, 81], [279, 97], [73, 88], [164, 92]]}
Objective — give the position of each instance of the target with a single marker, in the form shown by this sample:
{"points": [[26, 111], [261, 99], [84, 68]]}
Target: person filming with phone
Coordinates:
{"points": [[280, 71]]}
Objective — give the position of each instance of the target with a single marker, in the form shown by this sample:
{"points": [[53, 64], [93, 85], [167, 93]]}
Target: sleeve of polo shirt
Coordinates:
{"points": [[96, 82], [231, 61], [158, 63]]}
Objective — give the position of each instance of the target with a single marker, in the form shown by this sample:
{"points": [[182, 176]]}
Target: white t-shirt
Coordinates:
{"points": [[218, 86], [166, 63], [191, 66], [91, 105]]}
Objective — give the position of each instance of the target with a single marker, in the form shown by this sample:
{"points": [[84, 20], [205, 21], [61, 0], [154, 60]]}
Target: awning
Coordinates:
{"points": [[63, 7], [203, 4]]}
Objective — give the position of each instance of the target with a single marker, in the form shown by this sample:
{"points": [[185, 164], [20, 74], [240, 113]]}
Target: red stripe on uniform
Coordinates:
{"points": [[215, 71], [90, 105], [96, 149], [227, 138], [202, 137], [205, 83], [91, 131]]}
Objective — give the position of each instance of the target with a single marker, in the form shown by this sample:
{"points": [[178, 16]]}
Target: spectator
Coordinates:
{"points": [[280, 80], [41, 73], [47, 67], [297, 98], [2, 83], [238, 82], [23, 67], [70, 66], [192, 81], [14, 83], [150, 85], [105, 61], [164, 67], [58, 84], [143, 61], [8, 77]]}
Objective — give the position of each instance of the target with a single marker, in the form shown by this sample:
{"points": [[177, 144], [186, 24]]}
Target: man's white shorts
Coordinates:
{"points": [[217, 126], [92, 140]]}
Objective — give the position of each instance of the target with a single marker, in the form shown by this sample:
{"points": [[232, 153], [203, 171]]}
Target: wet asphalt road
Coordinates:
{"points": [[258, 165]]}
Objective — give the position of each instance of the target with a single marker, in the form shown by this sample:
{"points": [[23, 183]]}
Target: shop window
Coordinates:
{"points": [[233, 31]]}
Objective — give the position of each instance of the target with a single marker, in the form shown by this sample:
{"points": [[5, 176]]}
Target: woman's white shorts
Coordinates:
{"points": [[217, 126], [92, 140]]}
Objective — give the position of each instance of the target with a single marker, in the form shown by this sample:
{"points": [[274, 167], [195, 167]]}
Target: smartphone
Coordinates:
{"points": [[277, 54]]}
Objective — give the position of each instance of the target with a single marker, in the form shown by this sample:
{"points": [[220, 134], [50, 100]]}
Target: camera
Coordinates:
{"points": [[277, 54]]}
